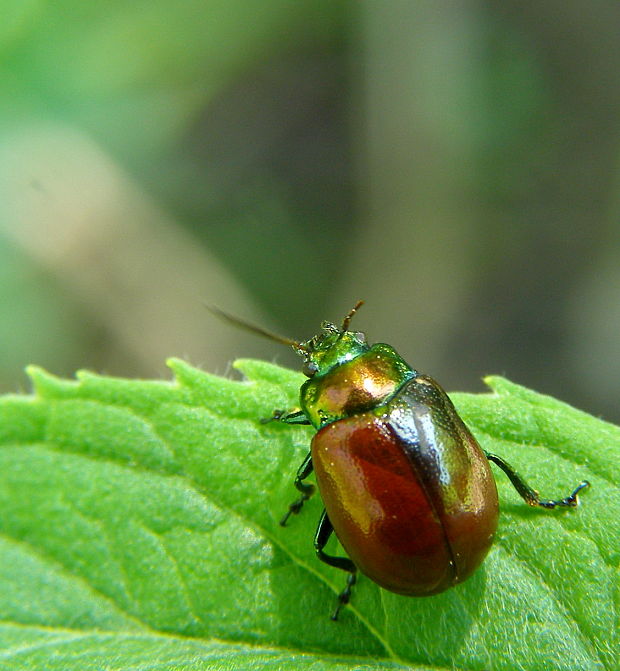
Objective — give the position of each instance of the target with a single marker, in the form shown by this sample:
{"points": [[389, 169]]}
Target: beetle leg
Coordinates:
{"points": [[296, 417], [323, 532], [531, 496], [306, 489]]}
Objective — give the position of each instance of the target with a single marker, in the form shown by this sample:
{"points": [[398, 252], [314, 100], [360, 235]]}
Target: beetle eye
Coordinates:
{"points": [[309, 368]]}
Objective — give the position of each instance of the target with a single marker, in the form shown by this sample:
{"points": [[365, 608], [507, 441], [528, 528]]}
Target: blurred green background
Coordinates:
{"points": [[456, 164]]}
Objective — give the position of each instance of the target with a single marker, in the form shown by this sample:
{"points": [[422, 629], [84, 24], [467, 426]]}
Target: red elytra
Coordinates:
{"points": [[408, 491]]}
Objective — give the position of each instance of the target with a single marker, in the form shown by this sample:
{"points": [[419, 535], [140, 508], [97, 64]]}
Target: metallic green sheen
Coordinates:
{"points": [[355, 384], [332, 347]]}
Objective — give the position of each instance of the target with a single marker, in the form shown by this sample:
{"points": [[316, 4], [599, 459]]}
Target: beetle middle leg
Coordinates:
{"points": [[531, 496], [306, 489], [323, 532]]}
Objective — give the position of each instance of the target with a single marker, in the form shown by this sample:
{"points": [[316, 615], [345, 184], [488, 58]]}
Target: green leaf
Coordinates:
{"points": [[139, 530]]}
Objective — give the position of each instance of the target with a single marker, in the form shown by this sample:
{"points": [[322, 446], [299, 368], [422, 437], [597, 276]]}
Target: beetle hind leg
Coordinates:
{"points": [[531, 496], [323, 533]]}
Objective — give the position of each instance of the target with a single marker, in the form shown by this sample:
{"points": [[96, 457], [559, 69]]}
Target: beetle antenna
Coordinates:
{"points": [[347, 320], [252, 328]]}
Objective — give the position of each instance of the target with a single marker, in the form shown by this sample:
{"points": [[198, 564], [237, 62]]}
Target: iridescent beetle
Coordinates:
{"points": [[406, 488]]}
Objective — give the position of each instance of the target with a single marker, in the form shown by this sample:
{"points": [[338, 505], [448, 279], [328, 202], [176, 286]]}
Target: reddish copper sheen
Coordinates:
{"points": [[408, 491]]}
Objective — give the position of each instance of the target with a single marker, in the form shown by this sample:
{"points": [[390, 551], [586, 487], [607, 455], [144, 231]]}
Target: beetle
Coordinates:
{"points": [[406, 488]]}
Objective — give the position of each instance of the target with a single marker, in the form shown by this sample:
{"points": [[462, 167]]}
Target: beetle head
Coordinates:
{"points": [[332, 346]]}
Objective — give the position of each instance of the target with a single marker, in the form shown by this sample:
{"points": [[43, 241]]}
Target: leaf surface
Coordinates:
{"points": [[139, 530]]}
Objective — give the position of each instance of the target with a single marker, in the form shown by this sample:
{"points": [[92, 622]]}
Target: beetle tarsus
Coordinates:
{"points": [[296, 506], [571, 501], [531, 496], [275, 417], [345, 596]]}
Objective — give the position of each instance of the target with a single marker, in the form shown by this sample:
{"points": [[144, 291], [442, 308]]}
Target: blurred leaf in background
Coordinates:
{"points": [[457, 165]]}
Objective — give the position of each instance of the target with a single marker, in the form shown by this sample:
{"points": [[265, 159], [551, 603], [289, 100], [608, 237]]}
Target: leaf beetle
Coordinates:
{"points": [[406, 487]]}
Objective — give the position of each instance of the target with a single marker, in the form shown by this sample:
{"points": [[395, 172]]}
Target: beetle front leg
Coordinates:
{"points": [[323, 532], [531, 496], [306, 489], [296, 417]]}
